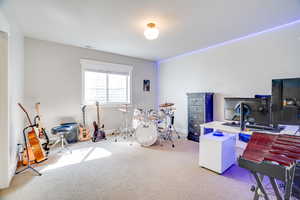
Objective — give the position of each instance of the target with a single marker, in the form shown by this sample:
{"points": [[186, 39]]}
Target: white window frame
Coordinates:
{"points": [[108, 68]]}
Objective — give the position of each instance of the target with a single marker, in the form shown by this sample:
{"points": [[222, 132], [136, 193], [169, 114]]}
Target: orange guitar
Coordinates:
{"points": [[34, 144], [84, 131], [25, 157]]}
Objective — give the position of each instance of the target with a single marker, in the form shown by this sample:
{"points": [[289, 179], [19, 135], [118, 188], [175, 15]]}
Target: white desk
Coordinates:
{"points": [[218, 126]]}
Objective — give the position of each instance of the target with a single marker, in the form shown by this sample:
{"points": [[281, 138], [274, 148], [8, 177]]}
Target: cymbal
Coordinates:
{"points": [[123, 110], [166, 105], [126, 105]]}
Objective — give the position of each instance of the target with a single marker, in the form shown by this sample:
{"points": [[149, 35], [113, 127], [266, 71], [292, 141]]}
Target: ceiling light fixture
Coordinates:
{"points": [[151, 32]]}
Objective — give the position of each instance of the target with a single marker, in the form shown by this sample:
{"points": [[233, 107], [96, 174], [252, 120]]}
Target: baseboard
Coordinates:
{"points": [[3, 186], [11, 173], [12, 169], [109, 131], [181, 131]]}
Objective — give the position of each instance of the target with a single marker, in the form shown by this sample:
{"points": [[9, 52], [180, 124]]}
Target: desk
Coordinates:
{"points": [[218, 126]]}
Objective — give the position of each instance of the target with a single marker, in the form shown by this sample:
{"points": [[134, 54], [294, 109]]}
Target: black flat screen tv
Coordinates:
{"points": [[286, 101], [256, 110]]}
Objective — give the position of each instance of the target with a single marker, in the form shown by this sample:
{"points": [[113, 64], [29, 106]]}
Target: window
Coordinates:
{"points": [[106, 83]]}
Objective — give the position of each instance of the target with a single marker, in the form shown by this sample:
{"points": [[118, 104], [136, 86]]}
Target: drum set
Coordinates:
{"points": [[150, 126]]}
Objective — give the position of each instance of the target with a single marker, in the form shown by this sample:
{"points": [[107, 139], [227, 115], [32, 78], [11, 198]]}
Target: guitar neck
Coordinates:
{"points": [[26, 113], [98, 115], [38, 116], [83, 115]]}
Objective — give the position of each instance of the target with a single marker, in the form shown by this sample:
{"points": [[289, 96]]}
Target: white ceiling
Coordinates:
{"points": [[117, 25]]}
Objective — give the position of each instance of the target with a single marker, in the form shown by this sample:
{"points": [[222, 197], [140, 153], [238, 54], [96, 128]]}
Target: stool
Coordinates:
{"points": [[62, 132]]}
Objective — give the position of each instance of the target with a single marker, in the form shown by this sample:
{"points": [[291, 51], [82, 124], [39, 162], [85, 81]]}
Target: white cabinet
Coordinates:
{"points": [[217, 153]]}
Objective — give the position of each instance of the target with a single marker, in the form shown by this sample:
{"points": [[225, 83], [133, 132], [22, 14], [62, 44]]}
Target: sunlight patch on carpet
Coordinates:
{"points": [[78, 156]]}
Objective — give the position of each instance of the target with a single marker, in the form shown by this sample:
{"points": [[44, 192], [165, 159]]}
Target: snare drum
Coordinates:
{"points": [[146, 133], [153, 115]]}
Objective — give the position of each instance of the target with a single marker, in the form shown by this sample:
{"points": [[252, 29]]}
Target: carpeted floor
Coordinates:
{"points": [[112, 171]]}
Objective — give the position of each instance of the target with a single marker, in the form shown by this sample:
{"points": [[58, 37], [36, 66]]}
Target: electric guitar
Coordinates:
{"points": [[34, 144], [99, 133], [41, 128], [84, 131]]}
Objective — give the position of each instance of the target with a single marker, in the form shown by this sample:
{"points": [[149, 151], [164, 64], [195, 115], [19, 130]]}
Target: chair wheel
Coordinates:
{"points": [[173, 145], [178, 137], [115, 140]]}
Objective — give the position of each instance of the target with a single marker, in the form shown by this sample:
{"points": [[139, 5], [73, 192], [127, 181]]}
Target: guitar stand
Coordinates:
{"points": [[29, 167], [27, 153]]}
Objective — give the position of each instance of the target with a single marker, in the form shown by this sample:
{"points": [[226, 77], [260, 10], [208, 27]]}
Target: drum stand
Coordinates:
{"points": [[125, 132], [168, 133]]}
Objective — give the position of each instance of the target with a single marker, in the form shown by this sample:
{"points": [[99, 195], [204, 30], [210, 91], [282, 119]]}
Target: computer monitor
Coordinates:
{"points": [[256, 110], [286, 101]]}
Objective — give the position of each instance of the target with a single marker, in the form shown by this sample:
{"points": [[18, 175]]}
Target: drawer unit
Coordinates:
{"points": [[200, 110]]}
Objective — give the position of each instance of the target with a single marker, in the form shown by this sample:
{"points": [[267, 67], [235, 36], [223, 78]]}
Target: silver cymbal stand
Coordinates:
{"points": [[125, 132], [170, 129]]}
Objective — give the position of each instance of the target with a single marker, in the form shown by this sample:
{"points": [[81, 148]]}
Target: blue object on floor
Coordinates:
{"points": [[244, 137]]}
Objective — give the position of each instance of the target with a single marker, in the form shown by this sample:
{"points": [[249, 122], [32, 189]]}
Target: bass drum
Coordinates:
{"points": [[146, 134]]}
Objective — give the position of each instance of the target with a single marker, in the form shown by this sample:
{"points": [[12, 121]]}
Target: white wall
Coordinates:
{"points": [[53, 77], [241, 69], [4, 155], [11, 92]]}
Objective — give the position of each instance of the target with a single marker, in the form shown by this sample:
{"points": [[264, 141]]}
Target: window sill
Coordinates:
{"points": [[116, 105]]}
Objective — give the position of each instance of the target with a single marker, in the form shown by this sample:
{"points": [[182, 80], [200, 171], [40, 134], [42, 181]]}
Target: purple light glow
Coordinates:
{"points": [[230, 41]]}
